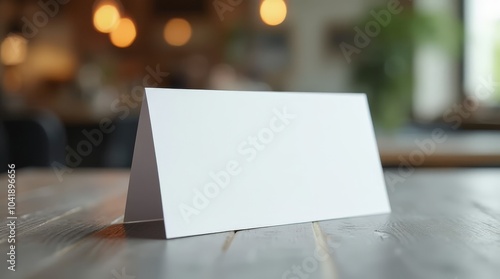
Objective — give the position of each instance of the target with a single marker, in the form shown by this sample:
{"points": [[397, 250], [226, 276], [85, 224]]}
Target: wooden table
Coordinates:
{"points": [[445, 224], [456, 149]]}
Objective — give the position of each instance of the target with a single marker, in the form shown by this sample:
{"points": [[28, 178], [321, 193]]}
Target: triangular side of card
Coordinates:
{"points": [[144, 197]]}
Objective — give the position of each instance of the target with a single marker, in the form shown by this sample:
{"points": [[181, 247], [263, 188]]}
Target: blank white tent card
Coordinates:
{"points": [[214, 161]]}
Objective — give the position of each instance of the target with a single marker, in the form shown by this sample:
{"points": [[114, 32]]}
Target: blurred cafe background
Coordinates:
{"points": [[72, 72]]}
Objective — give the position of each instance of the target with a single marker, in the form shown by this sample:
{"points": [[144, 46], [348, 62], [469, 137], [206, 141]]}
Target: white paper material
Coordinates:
{"points": [[215, 161]]}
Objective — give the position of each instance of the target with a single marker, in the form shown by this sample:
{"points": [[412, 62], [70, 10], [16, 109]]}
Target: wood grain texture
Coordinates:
{"points": [[138, 250], [39, 204], [49, 225], [444, 224], [274, 252]]}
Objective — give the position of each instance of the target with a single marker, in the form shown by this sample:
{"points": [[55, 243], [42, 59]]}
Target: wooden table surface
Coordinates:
{"points": [[459, 149], [445, 224]]}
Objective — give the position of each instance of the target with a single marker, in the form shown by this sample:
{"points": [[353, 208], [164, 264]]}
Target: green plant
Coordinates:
{"points": [[384, 69]]}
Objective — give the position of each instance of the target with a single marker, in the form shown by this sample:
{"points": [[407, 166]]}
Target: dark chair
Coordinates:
{"points": [[120, 147], [36, 140]]}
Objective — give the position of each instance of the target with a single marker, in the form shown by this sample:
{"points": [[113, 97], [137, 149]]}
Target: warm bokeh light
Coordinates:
{"points": [[51, 61], [124, 34], [13, 50], [273, 12], [177, 32], [106, 18]]}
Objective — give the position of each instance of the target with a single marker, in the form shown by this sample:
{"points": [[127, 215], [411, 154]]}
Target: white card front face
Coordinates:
{"points": [[230, 160]]}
